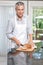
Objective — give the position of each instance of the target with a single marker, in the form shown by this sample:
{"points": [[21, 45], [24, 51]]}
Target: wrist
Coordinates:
{"points": [[30, 41]]}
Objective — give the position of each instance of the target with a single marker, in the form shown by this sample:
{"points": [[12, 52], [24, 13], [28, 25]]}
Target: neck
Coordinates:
{"points": [[19, 18]]}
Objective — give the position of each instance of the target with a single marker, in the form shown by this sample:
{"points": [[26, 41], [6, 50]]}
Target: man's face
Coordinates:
{"points": [[20, 11]]}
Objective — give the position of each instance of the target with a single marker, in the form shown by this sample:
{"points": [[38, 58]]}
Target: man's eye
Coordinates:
{"points": [[18, 9], [22, 9]]}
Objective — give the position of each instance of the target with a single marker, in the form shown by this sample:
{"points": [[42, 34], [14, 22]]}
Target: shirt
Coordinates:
{"points": [[19, 29]]}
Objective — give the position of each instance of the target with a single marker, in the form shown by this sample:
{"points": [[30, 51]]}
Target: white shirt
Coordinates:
{"points": [[19, 29]]}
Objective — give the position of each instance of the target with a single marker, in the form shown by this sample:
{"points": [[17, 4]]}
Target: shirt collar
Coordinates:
{"points": [[19, 19]]}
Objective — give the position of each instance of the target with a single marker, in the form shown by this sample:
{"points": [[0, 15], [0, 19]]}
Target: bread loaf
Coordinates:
{"points": [[28, 46]]}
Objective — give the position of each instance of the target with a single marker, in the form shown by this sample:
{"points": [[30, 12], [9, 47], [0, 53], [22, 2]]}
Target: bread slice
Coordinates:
{"points": [[28, 46]]}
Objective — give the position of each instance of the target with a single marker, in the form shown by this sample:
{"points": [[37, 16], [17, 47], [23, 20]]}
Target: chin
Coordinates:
{"points": [[21, 16]]}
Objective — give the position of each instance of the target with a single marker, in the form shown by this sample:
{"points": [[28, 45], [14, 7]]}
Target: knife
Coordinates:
{"points": [[21, 45]]}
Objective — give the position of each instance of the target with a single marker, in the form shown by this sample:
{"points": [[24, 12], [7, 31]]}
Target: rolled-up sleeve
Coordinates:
{"points": [[29, 26], [9, 31]]}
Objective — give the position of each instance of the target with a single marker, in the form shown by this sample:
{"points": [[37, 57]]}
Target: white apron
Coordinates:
{"points": [[20, 31]]}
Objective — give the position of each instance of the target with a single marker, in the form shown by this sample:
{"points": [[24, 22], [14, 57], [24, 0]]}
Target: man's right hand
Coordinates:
{"points": [[16, 41]]}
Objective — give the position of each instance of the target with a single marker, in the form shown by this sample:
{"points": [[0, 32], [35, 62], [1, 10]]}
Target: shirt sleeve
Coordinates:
{"points": [[10, 28], [29, 26]]}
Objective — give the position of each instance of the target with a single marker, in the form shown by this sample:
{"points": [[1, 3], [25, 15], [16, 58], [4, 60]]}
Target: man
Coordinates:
{"points": [[19, 28]]}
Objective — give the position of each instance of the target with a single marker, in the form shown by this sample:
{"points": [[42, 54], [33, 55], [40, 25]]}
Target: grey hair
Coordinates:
{"points": [[19, 3]]}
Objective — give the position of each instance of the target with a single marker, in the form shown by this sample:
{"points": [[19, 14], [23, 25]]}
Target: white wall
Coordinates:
{"points": [[4, 16]]}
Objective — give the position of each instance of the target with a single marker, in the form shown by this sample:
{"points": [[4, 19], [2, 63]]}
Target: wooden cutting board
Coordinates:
{"points": [[25, 49]]}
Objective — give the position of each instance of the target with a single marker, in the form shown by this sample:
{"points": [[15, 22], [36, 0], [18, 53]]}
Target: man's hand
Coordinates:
{"points": [[31, 43], [31, 40], [16, 41]]}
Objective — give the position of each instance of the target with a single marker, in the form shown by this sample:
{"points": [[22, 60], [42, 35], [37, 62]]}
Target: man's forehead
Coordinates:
{"points": [[20, 7]]}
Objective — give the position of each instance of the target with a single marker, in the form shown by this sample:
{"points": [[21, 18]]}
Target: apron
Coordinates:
{"points": [[20, 32]]}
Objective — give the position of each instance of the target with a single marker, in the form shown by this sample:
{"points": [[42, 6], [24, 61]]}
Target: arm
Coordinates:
{"points": [[30, 38], [30, 31], [9, 32], [16, 41], [30, 41]]}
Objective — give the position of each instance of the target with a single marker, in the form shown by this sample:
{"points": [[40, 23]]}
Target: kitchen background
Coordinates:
{"points": [[32, 8]]}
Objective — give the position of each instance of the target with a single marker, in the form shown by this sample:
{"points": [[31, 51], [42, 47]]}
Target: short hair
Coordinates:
{"points": [[19, 3]]}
